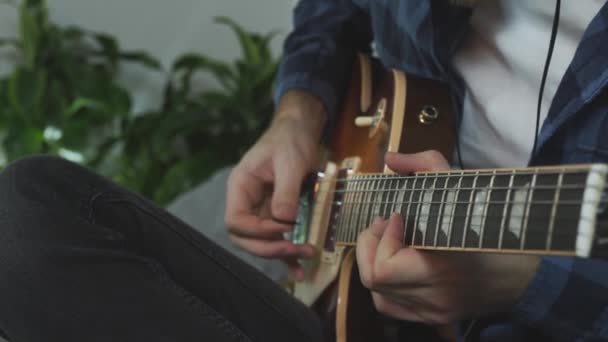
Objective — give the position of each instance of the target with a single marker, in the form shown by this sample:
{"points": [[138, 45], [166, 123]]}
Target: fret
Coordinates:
{"points": [[417, 236], [365, 192], [539, 213], [380, 185], [497, 201], [361, 199], [352, 194], [527, 206], [385, 197], [402, 199], [389, 196], [469, 209], [371, 200], [382, 202], [344, 211], [484, 217], [435, 212], [512, 236], [407, 214], [377, 181], [568, 215], [452, 210], [480, 205], [361, 195], [425, 211], [394, 193], [560, 180], [505, 210], [461, 212], [440, 216]]}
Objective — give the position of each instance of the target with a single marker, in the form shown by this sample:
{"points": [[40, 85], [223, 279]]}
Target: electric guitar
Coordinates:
{"points": [[557, 210]]}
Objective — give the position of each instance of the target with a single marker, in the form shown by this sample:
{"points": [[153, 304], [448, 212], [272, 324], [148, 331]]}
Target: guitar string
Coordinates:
{"points": [[455, 174], [523, 203], [557, 236], [487, 188], [436, 226]]}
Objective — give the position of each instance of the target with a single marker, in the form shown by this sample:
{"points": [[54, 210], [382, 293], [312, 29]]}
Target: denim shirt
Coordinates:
{"points": [[567, 299]]}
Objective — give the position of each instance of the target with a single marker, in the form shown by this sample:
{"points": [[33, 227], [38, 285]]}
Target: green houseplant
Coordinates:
{"points": [[62, 98], [196, 132], [62, 89]]}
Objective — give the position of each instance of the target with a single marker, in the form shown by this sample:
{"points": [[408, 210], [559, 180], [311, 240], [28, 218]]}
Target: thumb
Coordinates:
{"points": [[423, 161], [287, 186]]}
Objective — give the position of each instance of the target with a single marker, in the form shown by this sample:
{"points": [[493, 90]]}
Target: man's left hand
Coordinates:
{"points": [[431, 286]]}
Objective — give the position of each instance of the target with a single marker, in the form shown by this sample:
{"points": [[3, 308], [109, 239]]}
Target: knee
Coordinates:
{"points": [[38, 178], [33, 169]]}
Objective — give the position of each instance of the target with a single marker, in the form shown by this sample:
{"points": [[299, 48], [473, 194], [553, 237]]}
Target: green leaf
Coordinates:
{"points": [[193, 62], [30, 35], [109, 48], [26, 89], [250, 49], [73, 33], [22, 140], [143, 58], [263, 43], [82, 103]]}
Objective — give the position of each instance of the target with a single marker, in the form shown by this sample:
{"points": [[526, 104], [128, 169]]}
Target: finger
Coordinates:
{"points": [[287, 186], [423, 161], [259, 228], [295, 268], [389, 268], [407, 268], [415, 307], [367, 244], [273, 248], [244, 192], [391, 241], [400, 311]]}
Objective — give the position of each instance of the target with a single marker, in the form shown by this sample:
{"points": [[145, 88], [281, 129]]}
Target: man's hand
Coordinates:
{"points": [[263, 189], [429, 286]]}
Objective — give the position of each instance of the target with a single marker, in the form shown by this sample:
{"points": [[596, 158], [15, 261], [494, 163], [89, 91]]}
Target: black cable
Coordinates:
{"points": [[545, 72]]}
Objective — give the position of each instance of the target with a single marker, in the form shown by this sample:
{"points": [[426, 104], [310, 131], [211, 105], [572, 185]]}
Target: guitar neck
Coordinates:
{"points": [[534, 210]]}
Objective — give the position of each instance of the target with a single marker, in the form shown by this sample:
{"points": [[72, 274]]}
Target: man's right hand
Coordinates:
{"points": [[263, 189]]}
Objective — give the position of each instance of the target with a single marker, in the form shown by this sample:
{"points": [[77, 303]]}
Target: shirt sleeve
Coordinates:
{"points": [[568, 299], [318, 54]]}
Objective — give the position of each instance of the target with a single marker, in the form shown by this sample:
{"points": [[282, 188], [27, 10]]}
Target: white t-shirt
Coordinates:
{"points": [[502, 62]]}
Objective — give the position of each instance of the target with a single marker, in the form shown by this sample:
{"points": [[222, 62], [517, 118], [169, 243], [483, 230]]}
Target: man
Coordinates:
{"points": [[83, 260], [492, 53]]}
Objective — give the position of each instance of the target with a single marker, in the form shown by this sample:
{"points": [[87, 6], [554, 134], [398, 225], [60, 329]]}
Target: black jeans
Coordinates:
{"points": [[82, 259]]}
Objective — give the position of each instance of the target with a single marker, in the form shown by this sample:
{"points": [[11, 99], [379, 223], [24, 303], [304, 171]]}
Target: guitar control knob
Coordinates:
{"points": [[364, 121], [375, 122]]}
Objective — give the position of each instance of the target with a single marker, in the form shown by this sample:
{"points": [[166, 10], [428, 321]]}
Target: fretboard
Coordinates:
{"points": [[537, 210]]}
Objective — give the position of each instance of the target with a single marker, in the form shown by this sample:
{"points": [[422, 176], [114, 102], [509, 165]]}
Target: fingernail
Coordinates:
{"points": [[377, 220]]}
